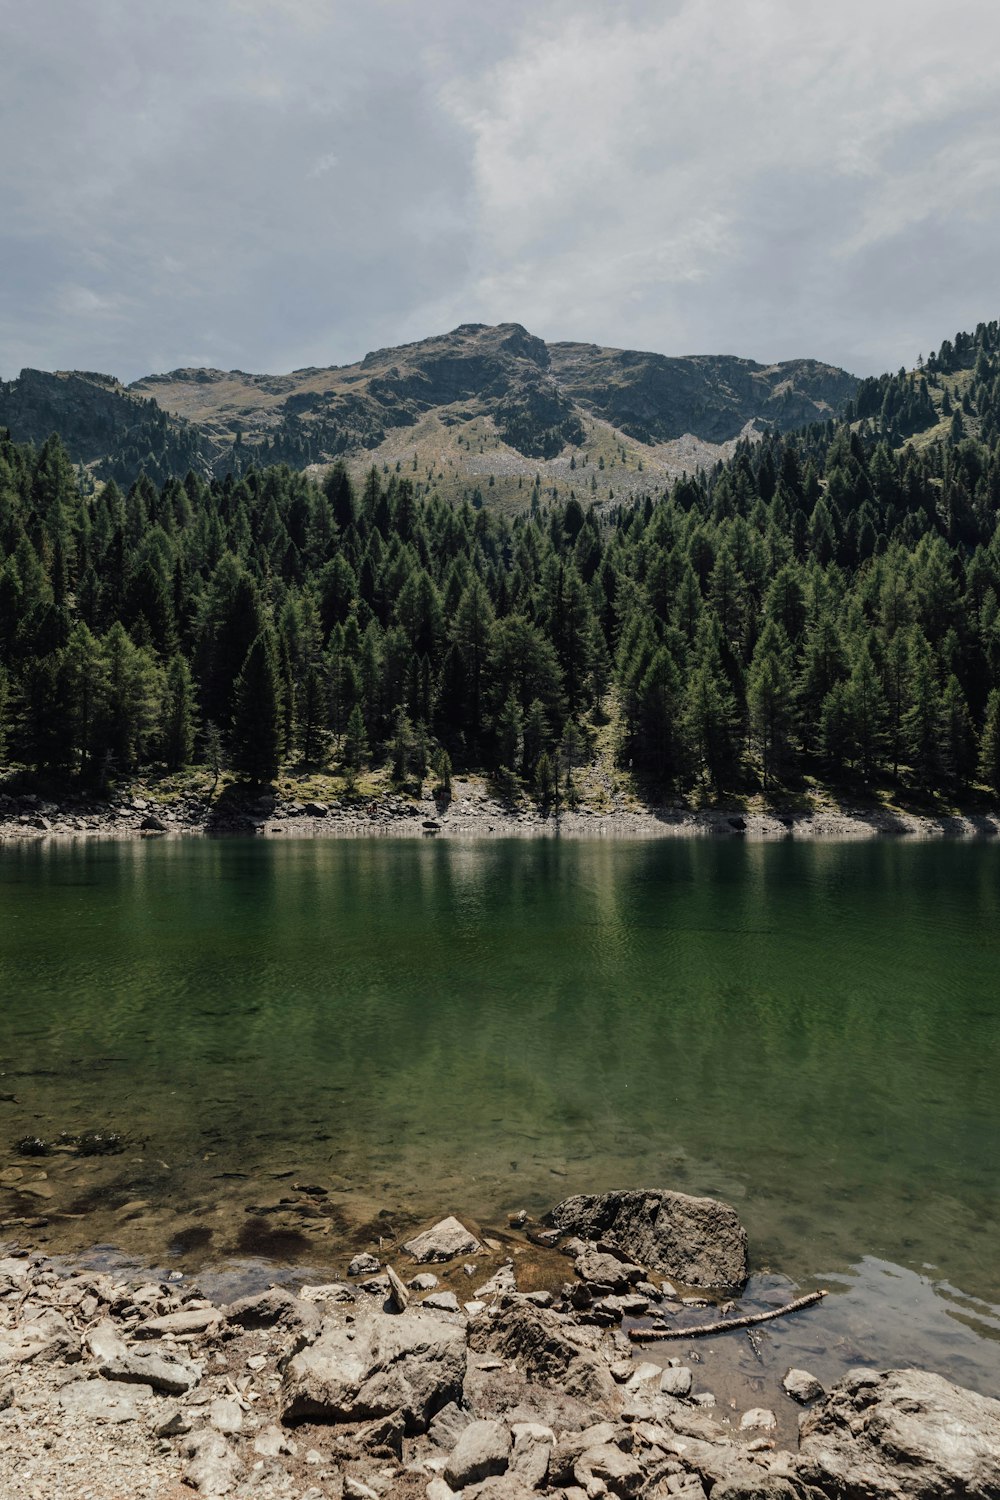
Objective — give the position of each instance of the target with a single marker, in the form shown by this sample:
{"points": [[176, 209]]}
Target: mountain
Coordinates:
{"points": [[479, 407]]}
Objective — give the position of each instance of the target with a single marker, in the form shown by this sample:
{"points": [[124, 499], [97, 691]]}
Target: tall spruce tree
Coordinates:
{"points": [[256, 738]]}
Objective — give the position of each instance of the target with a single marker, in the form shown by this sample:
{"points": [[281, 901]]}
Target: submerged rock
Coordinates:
{"points": [[697, 1240], [802, 1386]]}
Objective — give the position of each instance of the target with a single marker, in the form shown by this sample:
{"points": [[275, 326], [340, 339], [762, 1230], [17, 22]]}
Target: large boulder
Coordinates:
{"points": [[699, 1241], [443, 1241], [413, 1363], [901, 1435]]}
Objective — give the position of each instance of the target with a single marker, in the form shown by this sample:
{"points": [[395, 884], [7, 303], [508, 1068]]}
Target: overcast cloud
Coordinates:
{"points": [[265, 184]]}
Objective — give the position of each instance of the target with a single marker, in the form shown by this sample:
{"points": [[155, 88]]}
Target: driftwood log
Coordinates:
{"points": [[649, 1335]]}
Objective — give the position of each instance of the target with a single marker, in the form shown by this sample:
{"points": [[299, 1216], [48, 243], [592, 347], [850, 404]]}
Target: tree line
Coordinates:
{"points": [[825, 603]]}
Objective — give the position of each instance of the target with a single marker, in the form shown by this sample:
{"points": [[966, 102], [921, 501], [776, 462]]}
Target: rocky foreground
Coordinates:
{"points": [[376, 1385]]}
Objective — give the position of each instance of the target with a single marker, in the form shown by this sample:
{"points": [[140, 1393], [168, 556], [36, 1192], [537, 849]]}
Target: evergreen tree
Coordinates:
{"points": [[989, 745], [770, 699], [178, 715], [130, 692], [256, 738], [355, 739]]}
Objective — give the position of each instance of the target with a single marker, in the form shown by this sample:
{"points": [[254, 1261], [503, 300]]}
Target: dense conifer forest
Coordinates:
{"points": [[826, 604]]}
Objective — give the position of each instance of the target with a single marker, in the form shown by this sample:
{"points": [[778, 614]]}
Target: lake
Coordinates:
{"points": [[811, 1031]]}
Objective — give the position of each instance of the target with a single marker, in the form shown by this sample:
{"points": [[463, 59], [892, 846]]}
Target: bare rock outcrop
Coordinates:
{"points": [[901, 1435]]}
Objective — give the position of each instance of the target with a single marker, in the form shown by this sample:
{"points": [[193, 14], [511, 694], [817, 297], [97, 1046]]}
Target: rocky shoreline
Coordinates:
{"points": [[434, 1369], [471, 813]]}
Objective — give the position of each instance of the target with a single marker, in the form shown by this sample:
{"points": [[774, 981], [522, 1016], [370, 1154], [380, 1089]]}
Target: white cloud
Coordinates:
{"points": [[290, 182], [620, 163]]}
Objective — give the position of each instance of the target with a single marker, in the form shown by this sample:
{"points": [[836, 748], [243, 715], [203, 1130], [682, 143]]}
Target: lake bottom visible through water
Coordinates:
{"points": [[311, 1046]]}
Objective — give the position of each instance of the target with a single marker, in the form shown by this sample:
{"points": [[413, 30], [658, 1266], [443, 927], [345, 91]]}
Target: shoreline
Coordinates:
{"points": [[471, 813], [458, 1361]]}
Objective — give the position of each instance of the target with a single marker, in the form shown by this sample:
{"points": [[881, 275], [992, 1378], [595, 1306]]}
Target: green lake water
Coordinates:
{"points": [[811, 1031]]}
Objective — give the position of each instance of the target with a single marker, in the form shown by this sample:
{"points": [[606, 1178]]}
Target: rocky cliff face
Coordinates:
{"points": [[536, 399], [654, 398], [100, 422]]}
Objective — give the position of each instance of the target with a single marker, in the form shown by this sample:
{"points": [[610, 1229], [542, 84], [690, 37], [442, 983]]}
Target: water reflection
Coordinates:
{"points": [[811, 1031]]}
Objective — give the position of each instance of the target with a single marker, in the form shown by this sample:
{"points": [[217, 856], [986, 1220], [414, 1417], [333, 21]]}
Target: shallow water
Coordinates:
{"points": [[811, 1031]]}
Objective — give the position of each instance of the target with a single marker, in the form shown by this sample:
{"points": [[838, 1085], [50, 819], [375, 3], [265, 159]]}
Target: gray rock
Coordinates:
{"points": [[533, 1445], [439, 1490], [483, 1449], [198, 1320], [397, 1291], [212, 1468], [676, 1381], [413, 1363], [382, 1438], [175, 1425], [802, 1386], [619, 1472], [274, 1308], [499, 1487], [448, 1426], [270, 1442], [545, 1347], [443, 1241], [901, 1435], [329, 1291], [225, 1415], [442, 1301], [502, 1283], [424, 1281], [606, 1271], [364, 1265], [698, 1240], [44, 1336], [117, 1361], [356, 1489], [103, 1400], [758, 1417], [570, 1446], [760, 1487]]}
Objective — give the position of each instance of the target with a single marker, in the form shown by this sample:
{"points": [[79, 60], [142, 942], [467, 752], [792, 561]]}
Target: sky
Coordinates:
{"points": [[269, 184]]}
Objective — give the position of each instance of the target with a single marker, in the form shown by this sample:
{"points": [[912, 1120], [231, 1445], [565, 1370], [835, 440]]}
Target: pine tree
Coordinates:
{"points": [[922, 722], [256, 738], [958, 756], [709, 721], [989, 744], [868, 712], [130, 693], [355, 739], [770, 700], [177, 715]]}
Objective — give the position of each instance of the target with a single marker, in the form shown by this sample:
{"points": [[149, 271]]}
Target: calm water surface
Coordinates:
{"points": [[811, 1031]]}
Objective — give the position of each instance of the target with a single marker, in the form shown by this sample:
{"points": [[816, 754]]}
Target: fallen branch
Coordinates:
{"points": [[648, 1335]]}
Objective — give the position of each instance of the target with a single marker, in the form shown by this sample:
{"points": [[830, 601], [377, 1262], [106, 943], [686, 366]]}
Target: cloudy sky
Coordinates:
{"points": [[265, 184]]}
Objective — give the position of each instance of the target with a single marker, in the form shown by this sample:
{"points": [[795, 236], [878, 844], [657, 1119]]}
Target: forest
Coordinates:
{"points": [[826, 604]]}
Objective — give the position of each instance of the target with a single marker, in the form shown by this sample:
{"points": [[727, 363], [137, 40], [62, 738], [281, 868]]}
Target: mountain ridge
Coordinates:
{"points": [[479, 387]]}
